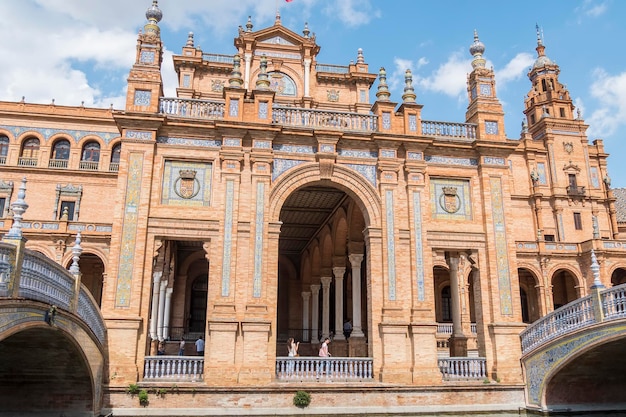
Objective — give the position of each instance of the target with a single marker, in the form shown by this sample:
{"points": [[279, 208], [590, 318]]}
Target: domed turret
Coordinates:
{"points": [[477, 49], [542, 60], [154, 16]]}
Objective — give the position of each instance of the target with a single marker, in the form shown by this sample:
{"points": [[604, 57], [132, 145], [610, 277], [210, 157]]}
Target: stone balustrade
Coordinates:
{"points": [[335, 69], [310, 118], [174, 368], [446, 328], [608, 304], [192, 108], [457, 131], [464, 368], [311, 368]]}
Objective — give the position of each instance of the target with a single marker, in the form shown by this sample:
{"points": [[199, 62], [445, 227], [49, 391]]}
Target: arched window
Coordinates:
{"points": [[4, 145], [91, 152], [115, 153], [61, 150], [29, 153]]}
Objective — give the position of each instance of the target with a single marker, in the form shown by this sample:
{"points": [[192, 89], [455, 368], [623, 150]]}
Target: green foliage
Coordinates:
{"points": [[143, 397], [161, 392], [133, 389], [302, 399]]}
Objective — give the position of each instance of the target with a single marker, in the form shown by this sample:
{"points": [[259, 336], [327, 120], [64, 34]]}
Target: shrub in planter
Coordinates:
{"points": [[143, 397], [133, 389], [302, 399]]}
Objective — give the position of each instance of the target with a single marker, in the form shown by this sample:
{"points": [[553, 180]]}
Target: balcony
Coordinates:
{"points": [[454, 131], [173, 368], [88, 165], [27, 162], [191, 108], [313, 368], [114, 167], [58, 163], [301, 117], [3, 160], [575, 191]]}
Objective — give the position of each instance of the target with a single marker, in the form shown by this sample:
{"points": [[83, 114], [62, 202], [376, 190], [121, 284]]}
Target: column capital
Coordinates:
{"points": [[355, 259], [339, 271], [326, 281], [315, 288], [306, 295]]}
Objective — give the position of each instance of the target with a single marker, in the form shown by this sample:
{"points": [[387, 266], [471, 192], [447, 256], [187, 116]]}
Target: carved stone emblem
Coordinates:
{"points": [[187, 185], [569, 147], [449, 200], [333, 95], [217, 85]]}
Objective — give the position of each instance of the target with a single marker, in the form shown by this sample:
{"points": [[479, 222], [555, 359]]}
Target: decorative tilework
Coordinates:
{"points": [[559, 217], [147, 57], [232, 142], [419, 251], [493, 160], [129, 230], [368, 171], [293, 148], [325, 147], [259, 52], [203, 143], [491, 127], [142, 97], [453, 205], [391, 246], [199, 189], [262, 144], [502, 259], [263, 110], [386, 120], [355, 153], [416, 156], [282, 165], [258, 240], [412, 122], [282, 84], [435, 159], [47, 133], [595, 180], [138, 134], [541, 171], [228, 237], [387, 153], [233, 108]]}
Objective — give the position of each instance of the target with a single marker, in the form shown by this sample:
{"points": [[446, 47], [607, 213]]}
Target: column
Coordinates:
{"points": [[458, 341], [246, 75], [338, 273], [307, 76], [325, 306], [306, 296], [161, 310], [315, 312], [355, 262], [168, 307], [154, 310]]}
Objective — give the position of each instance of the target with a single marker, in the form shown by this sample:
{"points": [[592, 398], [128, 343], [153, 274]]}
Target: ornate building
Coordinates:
{"points": [[271, 199]]}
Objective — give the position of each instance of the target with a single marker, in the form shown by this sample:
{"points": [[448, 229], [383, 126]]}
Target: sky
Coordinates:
{"points": [[80, 51]]}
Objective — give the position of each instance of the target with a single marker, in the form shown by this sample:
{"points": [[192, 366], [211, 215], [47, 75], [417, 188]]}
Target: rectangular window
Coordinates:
{"points": [[3, 202], [578, 222], [549, 238], [67, 209], [562, 111]]}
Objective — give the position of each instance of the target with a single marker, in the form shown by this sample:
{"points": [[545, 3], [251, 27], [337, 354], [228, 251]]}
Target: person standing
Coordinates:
{"points": [[292, 347], [324, 353], [181, 348], [347, 328], [200, 346]]}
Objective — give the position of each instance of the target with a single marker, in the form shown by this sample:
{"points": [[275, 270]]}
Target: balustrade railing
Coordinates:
{"points": [[459, 131], [614, 302], [88, 165], [3, 160], [88, 311], [446, 328], [192, 108], [336, 69], [568, 318], [174, 368], [7, 252], [224, 59], [462, 368], [114, 167], [301, 117], [308, 368], [57, 163], [26, 162], [45, 281]]}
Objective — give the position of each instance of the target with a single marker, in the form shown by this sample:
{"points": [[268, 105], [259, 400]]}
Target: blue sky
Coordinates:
{"points": [[81, 50]]}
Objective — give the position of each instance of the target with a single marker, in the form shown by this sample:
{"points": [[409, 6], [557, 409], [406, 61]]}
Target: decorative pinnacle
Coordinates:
{"points": [[306, 30], [76, 251], [595, 270], [190, 40], [249, 25], [154, 16], [235, 79], [18, 208], [262, 82], [383, 90], [409, 92], [359, 56], [477, 49], [539, 35]]}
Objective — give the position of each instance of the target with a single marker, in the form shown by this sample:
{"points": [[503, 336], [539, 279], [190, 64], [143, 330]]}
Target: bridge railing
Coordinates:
{"points": [[7, 256], [614, 302], [462, 368], [177, 368], [311, 368], [46, 281]]}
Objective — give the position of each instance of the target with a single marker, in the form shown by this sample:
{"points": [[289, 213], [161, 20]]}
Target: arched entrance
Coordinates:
{"points": [[43, 371], [92, 275], [529, 295], [321, 249], [564, 288], [618, 277]]}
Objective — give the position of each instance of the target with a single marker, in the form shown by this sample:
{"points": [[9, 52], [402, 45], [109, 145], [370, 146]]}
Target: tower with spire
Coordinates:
{"points": [[484, 108], [145, 84]]}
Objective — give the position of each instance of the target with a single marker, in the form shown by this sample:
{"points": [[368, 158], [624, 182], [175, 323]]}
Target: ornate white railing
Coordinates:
{"points": [[224, 59], [192, 108], [336, 69], [26, 162], [446, 328], [7, 253], [462, 368], [46, 281], [303, 368], [88, 311], [3, 160], [114, 167], [614, 302], [461, 131], [88, 165], [178, 368], [57, 163], [301, 117], [572, 316]]}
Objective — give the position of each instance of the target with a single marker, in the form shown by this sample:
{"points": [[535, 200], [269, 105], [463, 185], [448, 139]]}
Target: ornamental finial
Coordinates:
{"points": [[383, 90], [409, 92]]}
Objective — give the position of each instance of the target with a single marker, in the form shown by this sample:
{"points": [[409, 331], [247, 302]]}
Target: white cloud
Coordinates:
{"points": [[450, 77], [592, 8], [515, 68], [353, 12], [610, 114]]}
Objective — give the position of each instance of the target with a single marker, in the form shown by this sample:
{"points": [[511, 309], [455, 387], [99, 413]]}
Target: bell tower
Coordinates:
{"points": [[145, 85]]}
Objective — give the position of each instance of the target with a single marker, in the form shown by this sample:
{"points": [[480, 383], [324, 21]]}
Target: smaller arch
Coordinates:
{"points": [[4, 145], [30, 147], [565, 287], [618, 276], [90, 151]]}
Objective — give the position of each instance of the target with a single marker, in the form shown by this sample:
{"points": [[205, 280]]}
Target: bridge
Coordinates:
{"points": [[574, 358], [52, 335]]}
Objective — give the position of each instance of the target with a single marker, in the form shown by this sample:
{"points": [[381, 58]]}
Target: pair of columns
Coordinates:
{"points": [[161, 307], [338, 272]]}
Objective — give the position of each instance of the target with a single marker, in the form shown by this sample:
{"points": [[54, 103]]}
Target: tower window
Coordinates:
{"points": [[532, 119], [578, 223], [562, 111], [67, 209], [544, 87]]}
